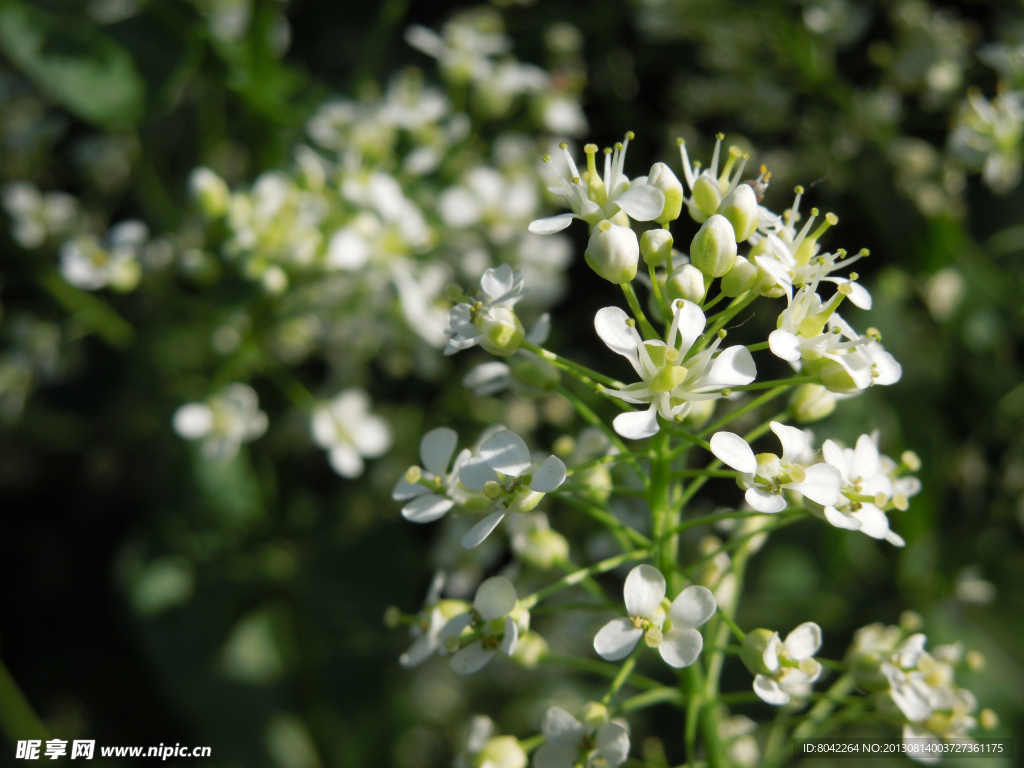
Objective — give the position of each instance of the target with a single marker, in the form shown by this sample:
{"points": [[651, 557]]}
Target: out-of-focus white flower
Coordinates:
{"points": [[593, 198], [225, 421], [671, 382], [347, 429], [429, 622], [766, 475], [37, 216], [989, 135], [507, 475], [86, 263], [569, 742], [492, 322], [433, 490], [485, 750], [496, 616], [420, 293], [783, 669], [672, 629]]}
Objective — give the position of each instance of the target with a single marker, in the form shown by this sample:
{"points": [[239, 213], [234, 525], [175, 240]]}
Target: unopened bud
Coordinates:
{"points": [[413, 475], [700, 413], [911, 621], [911, 461], [593, 716], [880, 499], [656, 246], [753, 648], [740, 208], [975, 661], [661, 177], [392, 617], [454, 293], [211, 191], [713, 250], [797, 473], [706, 197], [739, 279], [530, 649], [564, 446], [989, 720], [502, 750], [491, 489], [653, 637], [501, 329], [901, 502], [811, 402], [687, 282], [613, 252]]}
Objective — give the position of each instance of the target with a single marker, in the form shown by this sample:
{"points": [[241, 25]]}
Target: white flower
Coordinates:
{"points": [[419, 295], [567, 741], [671, 382], [225, 421], [790, 664], [594, 198], [88, 264], [349, 432], [37, 216], [766, 475], [492, 617], [465, 47], [988, 135], [430, 621], [676, 639], [485, 750], [492, 323], [436, 490], [863, 476], [507, 475]]}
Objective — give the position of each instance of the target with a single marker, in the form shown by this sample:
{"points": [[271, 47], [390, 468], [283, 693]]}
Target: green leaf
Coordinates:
{"points": [[74, 63]]}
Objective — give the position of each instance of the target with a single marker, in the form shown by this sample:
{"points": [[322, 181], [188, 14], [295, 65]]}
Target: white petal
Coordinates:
{"points": [[768, 690], [680, 647], [794, 441], [803, 642], [644, 590], [836, 456], [436, 449], [784, 344], [762, 501], [839, 520], [733, 451], [886, 370], [858, 296], [371, 436], [505, 452], [690, 322], [637, 425], [511, 638], [403, 491], [345, 460], [692, 607], [482, 530], [497, 281], [559, 726], [421, 650], [426, 509], [488, 378], [610, 324], [865, 458], [474, 474], [453, 628], [193, 421], [436, 587], [541, 329], [733, 367], [616, 639], [642, 203], [561, 754], [471, 659], [895, 539], [549, 475], [873, 521], [552, 224], [495, 597], [612, 742], [821, 486]]}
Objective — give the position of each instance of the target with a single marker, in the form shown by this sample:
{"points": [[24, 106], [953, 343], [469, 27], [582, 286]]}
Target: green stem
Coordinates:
{"points": [[733, 627], [790, 382], [658, 501], [757, 347], [727, 314], [530, 744], [606, 518], [683, 473], [757, 402], [19, 720], [581, 372], [593, 419], [621, 678], [687, 436], [645, 327], [836, 693], [646, 699], [606, 460], [658, 297], [94, 314], [596, 667], [714, 301], [575, 578]]}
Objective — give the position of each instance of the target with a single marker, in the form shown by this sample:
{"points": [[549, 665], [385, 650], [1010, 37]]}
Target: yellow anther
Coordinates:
{"points": [[547, 158], [630, 135], [680, 142], [590, 149], [901, 502], [563, 145], [720, 136], [798, 190], [911, 461]]}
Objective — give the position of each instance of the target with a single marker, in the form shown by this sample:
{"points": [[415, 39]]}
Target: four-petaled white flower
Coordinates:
{"points": [[866, 489], [505, 472], [429, 623], [671, 382], [89, 264], [790, 665], [673, 632], [492, 620], [435, 490], [490, 322], [349, 432], [225, 421], [569, 743], [766, 475], [593, 198]]}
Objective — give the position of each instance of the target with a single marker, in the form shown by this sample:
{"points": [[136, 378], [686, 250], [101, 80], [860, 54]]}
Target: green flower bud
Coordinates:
{"points": [[543, 548], [812, 402], [613, 252], [707, 196], [740, 278], [530, 649], [525, 500], [835, 377], [211, 192], [752, 651], [598, 482], [502, 751], [503, 333], [687, 282], [656, 245], [593, 715], [662, 178], [534, 372], [740, 208], [700, 413], [866, 669], [713, 250]]}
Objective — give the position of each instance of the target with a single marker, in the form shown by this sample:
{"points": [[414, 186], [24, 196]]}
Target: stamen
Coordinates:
{"points": [[569, 161], [687, 170], [714, 156], [734, 155]]}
